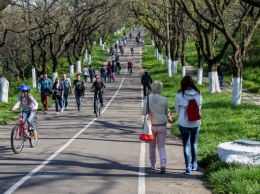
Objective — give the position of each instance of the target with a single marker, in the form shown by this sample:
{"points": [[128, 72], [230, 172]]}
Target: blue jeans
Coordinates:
{"points": [[31, 116], [190, 145], [65, 102], [91, 77], [58, 103], [85, 78], [78, 99]]}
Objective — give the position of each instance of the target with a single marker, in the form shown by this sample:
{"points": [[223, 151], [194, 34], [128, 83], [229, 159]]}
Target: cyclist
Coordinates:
{"points": [[98, 85], [29, 106], [130, 67]]}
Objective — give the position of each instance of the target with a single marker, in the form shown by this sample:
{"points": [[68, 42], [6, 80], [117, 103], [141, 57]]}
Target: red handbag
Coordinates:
{"points": [[146, 133]]}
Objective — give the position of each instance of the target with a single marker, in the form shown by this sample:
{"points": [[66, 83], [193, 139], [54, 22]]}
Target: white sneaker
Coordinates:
{"points": [[61, 110], [57, 113]]}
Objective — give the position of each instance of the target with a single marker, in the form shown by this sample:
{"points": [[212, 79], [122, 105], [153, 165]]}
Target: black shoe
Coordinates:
{"points": [[102, 105], [162, 170], [78, 109]]}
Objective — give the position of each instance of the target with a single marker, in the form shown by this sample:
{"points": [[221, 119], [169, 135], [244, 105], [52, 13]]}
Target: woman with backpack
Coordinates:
{"points": [[189, 123]]}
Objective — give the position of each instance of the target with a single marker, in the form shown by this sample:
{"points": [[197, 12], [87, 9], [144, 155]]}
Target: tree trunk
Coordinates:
{"points": [[200, 69], [213, 79], [237, 66]]}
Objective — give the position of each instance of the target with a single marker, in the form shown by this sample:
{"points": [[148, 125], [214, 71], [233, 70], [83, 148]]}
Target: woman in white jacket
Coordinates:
{"points": [[189, 129], [159, 114]]}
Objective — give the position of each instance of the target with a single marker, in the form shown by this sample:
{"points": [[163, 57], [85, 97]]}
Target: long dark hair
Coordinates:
{"points": [[188, 83]]}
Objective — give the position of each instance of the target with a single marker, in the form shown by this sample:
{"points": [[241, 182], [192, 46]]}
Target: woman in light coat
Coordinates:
{"points": [[159, 114]]}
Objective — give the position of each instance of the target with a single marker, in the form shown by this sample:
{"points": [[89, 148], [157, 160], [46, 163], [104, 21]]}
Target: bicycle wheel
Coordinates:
{"points": [[99, 109], [33, 141], [17, 139], [96, 107]]}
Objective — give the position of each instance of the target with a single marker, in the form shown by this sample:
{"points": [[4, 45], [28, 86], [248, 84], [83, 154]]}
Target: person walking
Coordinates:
{"points": [[189, 129], [159, 113], [221, 71], [58, 94], [102, 73], [45, 88], [109, 72], [118, 67], [91, 73], [79, 88], [113, 69], [85, 73], [146, 81], [66, 91]]}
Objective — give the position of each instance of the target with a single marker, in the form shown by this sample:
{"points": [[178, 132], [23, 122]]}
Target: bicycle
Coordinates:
{"points": [[20, 134], [97, 104]]}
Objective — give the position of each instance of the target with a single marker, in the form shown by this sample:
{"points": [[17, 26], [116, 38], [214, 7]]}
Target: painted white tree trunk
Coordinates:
{"points": [[33, 78], [159, 56], [4, 88], [157, 53], [237, 91], [78, 66], [71, 70], [174, 68], [169, 67], [152, 42], [183, 71], [100, 42], [162, 58], [89, 59], [103, 47], [199, 76], [54, 75], [94, 43], [85, 57], [213, 82]]}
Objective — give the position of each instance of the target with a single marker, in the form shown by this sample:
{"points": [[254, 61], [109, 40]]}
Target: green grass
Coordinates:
{"points": [[221, 122]]}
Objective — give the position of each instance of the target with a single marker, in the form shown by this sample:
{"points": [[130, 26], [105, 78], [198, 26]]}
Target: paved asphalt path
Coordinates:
{"points": [[78, 153]]}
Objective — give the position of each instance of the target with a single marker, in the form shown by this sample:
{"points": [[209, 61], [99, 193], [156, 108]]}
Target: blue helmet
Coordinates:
{"points": [[24, 88]]}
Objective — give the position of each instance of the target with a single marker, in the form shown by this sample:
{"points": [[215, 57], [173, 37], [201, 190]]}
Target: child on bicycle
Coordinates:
{"points": [[29, 106], [98, 86]]}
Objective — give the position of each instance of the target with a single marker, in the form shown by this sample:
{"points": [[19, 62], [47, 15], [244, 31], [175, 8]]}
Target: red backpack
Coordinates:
{"points": [[193, 111]]}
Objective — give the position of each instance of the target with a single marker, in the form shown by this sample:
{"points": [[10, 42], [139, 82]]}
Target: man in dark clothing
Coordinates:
{"points": [[221, 71], [146, 81], [102, 72], [91, 73]]}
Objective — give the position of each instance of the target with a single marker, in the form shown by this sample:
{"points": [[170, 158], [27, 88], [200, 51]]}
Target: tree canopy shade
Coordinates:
{"points": [[253, 2], [4, 3]]}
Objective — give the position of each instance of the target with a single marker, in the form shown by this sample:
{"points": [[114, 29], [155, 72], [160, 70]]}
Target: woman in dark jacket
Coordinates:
{"points": [[58, 94]]}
